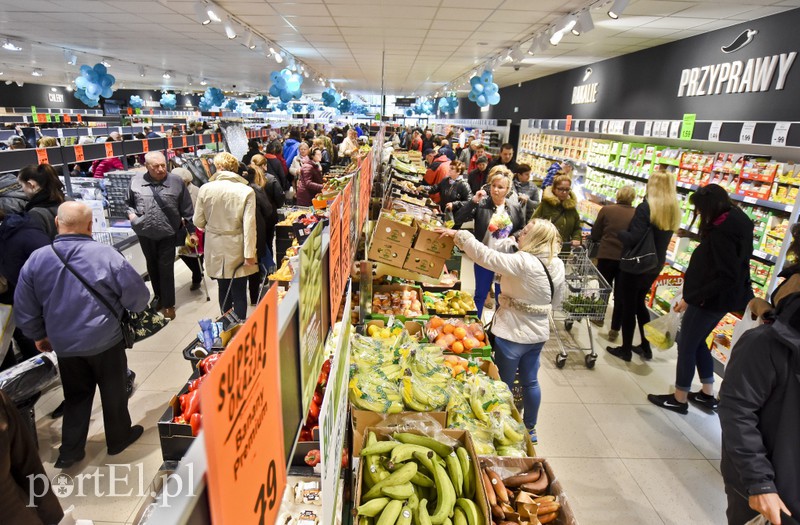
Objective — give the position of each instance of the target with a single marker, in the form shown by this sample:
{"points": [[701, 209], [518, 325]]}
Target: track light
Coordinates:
{"points": [[617, 8], [585, 23], [189, 80], [69, 88], [212, 11], [230, 32], [250, 41], [278, 58], [37, 72], [70, 58], [204, 82], [20, 83], [141, 71], [8, 45], [166, 75], [201, 14], [105, 62]]}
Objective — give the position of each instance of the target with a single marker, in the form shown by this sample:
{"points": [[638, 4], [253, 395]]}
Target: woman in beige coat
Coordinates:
{"points": [[226, 210]]}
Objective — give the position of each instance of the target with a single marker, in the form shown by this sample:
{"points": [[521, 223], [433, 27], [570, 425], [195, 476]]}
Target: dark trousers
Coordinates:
{"points": [[160, 257], [254, 281], [483, 283], [79, 378], [193, 263], [632, 292], [609, 269], [693, 351], [236, 299], [26, 347]]}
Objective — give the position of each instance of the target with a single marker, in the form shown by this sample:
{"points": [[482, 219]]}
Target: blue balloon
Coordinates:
{"points": [[490, 89], [273, 77], [274, 91], [81, 82], [494, 99], [285, 97], [100, 69], [487, 77], [481, 100], [92, 76], [85, 70], [472, 96], [107, 92], [93, 90], [475, 80]]}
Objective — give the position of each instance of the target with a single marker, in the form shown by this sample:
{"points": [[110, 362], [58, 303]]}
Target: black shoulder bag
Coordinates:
{"points": [[642, 257], [134, 326]]}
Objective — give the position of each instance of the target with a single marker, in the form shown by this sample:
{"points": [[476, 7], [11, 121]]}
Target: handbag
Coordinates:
{"points": [[181, 233], [134, 326], [642, 257]]}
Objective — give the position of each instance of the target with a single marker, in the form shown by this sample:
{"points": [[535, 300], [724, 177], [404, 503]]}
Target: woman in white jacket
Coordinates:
{"points": [[532, 278]]}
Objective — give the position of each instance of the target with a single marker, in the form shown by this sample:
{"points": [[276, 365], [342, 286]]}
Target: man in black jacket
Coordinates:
{"points": [[760, 421]]}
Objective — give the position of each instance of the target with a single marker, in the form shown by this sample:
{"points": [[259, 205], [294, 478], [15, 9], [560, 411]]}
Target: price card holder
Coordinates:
{"points": [[632, 127], [746, 136], [41, 156], [109, 149], [568, 126], [687, 126], [79, 153], [780, 133], [648, 128], [145, 145], [674, 127], [713, 132], [169, 142]]}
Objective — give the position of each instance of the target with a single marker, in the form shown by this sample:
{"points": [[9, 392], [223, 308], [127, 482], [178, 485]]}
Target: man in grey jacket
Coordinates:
{"points": [[158, 202], [55, 309]]}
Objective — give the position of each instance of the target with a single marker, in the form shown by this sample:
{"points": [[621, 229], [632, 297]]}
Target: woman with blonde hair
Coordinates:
{"points": [[533, 280], [660, 213], [495, 219], [560, 206]]}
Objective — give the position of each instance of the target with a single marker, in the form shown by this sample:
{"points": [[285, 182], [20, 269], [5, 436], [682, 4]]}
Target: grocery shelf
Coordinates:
{"points": [[768, 257]]}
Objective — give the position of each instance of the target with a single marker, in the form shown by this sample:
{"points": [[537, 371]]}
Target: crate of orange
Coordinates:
{"points": [[459, 336]]}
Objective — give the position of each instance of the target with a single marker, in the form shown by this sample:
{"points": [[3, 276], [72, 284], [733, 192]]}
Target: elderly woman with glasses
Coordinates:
{"points": [[560, 206]]}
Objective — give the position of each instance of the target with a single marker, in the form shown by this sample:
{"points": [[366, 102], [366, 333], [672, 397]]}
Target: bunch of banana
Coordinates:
{"points": [[520, 498], [291, 217], [425, 384], [417, 479], [404, 167], [284, 273]]}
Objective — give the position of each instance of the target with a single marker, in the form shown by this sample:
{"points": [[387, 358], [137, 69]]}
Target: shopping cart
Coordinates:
{"points": [[586, 298]]}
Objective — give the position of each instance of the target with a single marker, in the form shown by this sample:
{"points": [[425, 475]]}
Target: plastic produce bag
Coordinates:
{"points": [[662, 332], [743, 325]]}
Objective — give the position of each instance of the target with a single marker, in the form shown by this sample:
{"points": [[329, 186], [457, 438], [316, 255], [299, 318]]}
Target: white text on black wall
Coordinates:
{"points": [[753, 75]]}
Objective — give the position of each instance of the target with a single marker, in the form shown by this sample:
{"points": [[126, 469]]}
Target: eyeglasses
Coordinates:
{"points": [[562, 189]]}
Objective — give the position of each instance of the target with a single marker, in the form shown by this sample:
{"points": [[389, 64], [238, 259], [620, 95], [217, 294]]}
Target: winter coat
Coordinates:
{"points": [[310, 183], [347, 147], [473, 161], [19, 237], [718, 275], [276, 196], [482, 214], [758, 409], [43, 212], [12, 198], [102, 166], [48, 294], [151, 220], [226, 210], [530, 190], [510, 165], [638, 228], [436, 173], [297, 166], [290, 150], [264, 212], [248, 157], [563, 214], [612, 219], [275, 167], [464, 155], [456, 191], [525, 302], [476, 179]]}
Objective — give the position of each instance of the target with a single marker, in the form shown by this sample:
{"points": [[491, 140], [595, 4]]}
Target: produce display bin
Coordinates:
{"points": [[175, 438]]}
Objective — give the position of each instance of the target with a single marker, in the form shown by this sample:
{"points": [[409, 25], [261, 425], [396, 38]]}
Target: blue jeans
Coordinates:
{"points": [[510, 356], [693, 351], [483, 283]]}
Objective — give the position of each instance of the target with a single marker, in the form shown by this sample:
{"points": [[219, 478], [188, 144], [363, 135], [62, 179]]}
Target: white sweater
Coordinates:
{"points": [[522, 278]]}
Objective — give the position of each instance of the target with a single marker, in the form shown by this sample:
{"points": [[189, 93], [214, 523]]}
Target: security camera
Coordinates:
{"points": [[516, 68]]}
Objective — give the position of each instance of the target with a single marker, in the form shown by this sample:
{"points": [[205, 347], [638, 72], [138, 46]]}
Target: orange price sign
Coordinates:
{"points": [[80, 117], [243, 423], [67, 118], [335, 264], [145, 145], [79, 153], [199, 139], [109, 149], [169, 142], [569, 122], [41, 156], [347, 227]]}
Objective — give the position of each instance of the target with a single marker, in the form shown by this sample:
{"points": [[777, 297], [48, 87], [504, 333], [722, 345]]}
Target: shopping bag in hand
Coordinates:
{"points": [[661, 332], [744, 324]]}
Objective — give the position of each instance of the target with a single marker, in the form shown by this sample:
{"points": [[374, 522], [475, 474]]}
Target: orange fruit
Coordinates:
{"points": [[457, 347], [470, 343], [460, 332], [448, 328], [436, 322], [479, 335]]}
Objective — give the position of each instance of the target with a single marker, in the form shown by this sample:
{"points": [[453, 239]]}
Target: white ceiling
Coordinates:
{"points": [[421, 45]]}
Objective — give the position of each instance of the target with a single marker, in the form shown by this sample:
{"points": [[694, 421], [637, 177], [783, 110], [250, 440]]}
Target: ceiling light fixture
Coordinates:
{"points": [[20, 83], [249, 41], [166, 75], [204, 82], [189, 80], [230, 31], [141, 71], [279, 58], [105, 62], [37, 72], [212, 12], [585, 23], [69, 88], [201, 13], [70, 58], [8, 45], [617, 8]]}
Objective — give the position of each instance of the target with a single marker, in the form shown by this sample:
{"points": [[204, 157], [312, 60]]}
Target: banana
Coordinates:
{"points": [[446, 496], [538, 486], [547, 507], [413, 501], [398, 477], [412, 439], [405, 516], [511, 434], [401, 492], [474, 517], [390, 513], [544, 499], [547, 518], [487, 487], [459, 518], [408, 397], [380, 447], [497, 484], [405, 452], [423, 518], [456, 476], [421, 480], [477, 407], [468, 472], [372, 508]]}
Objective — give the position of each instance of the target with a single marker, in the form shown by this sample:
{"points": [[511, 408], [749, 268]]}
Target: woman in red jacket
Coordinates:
{"points": [[310, 181]]}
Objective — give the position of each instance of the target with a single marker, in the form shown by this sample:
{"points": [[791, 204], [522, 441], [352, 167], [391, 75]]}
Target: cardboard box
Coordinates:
{"points": [[387, 252], [424, 263], [364, 419], [513, 466], [462, 436], [413, 327], [395, 231], [434, 244], [175, 438]]}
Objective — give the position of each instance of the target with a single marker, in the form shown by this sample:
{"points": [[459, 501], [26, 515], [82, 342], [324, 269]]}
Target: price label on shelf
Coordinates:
{"points": [[568, 126], [687, 126], [750, 200], [169, 142], [632, 127], [674, 127], [577, 125], [243, 422], [41, 156], [780, 132], [604, 126], [713, 132], [79, 153], [746, 136], [145, 145], [648, 128]]}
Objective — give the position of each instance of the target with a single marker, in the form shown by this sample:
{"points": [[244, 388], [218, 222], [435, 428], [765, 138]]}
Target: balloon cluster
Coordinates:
{"points": [[283, 106], [212, 97], [93, 83], [260, 103], [285, 85], [298, 108], [484, 91], [232, 104], [448, 105], [168, 101], [358, 109], [344, 106], [136, 102], [330, 98], [423, 108]]}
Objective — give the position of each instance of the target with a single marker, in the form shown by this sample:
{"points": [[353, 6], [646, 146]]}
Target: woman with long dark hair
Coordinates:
{"points": [[45, 194], [717, 281]]}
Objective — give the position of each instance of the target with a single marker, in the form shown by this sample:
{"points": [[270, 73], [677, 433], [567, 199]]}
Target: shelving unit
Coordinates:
{"points": [[492, 133]]}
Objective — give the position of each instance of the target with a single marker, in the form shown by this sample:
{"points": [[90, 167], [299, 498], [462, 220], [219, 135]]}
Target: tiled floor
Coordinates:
{"points": [[620, 459]]}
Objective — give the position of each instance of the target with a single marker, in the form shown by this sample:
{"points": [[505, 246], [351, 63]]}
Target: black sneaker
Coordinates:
{"points": [[646, 353], [58, 412], [620, 352], [64, 463], [669, 402], [136, 433], [704, 400]]}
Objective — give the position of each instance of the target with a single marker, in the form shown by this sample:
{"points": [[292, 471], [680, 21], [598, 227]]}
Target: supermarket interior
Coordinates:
{"points": [[457, 262]]}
